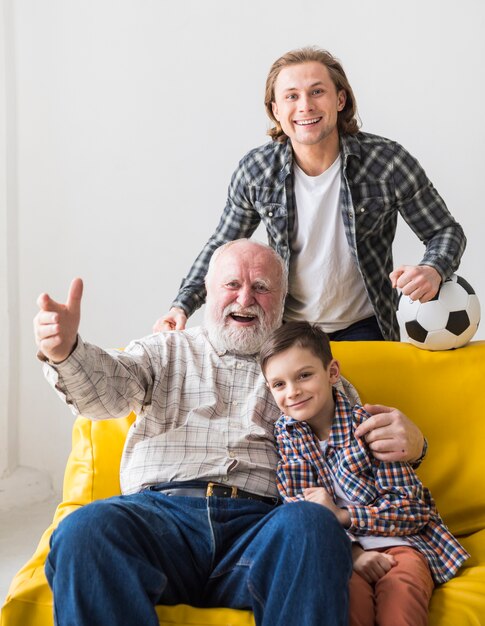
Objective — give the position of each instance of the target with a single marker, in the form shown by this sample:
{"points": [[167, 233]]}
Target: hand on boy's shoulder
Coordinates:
{"points": [[390, 435]]}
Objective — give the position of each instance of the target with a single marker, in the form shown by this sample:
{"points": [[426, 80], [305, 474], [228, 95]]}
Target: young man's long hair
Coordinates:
{"points": [[347, 118]]}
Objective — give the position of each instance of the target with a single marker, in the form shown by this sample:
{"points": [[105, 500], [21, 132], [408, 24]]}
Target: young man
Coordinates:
{"points": [[197, 521], [329, 197], [401, 546]]}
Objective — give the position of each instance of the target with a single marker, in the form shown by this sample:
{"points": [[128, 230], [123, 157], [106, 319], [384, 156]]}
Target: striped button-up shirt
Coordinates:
{"points": [[201, 414], [388, 498], [380, 180]]}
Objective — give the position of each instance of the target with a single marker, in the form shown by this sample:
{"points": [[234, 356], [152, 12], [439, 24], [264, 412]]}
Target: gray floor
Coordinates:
{"points": [[20, 531]]}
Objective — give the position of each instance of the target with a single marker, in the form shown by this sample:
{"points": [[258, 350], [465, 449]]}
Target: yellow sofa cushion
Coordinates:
{"points": [[443, 392]]}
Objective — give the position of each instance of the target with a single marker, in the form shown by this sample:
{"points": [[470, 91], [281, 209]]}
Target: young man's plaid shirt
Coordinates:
{"points": [[380, 180], [388, 498]]}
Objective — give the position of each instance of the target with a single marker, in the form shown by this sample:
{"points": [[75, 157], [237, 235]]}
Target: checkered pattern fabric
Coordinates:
{"points": [[380, 180], [388, 498]]}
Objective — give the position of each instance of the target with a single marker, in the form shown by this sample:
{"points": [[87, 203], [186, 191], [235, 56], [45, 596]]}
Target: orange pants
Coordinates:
{"points": [[400, 598]]}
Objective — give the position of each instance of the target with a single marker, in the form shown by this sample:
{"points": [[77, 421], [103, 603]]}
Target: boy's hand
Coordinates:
{"points": [[56, 324], [320, 495], [371, 565]]}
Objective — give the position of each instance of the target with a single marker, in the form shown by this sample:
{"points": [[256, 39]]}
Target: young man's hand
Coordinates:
{"points": [[56, 324], [371, 565], [174, 320], [418, 282]]}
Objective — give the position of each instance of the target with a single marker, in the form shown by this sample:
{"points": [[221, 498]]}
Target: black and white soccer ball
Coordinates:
{"points": [[447, 321]]}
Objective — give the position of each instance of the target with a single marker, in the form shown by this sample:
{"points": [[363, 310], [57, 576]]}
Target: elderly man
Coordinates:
{"points": [[198, 521]]}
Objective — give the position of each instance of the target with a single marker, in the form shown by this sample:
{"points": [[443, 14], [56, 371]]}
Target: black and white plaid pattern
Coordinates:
{"points": [[379, 180]]}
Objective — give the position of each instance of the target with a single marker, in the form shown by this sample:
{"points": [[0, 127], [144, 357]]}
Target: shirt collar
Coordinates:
{"points": [[285, 154], [349, 146]]}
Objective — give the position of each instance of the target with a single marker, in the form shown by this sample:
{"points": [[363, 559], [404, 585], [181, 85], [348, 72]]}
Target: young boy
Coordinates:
{"points": [[400, 544]]}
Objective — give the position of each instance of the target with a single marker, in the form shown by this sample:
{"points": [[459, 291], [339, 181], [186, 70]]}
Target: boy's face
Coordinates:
{"points": [[302, 387]]}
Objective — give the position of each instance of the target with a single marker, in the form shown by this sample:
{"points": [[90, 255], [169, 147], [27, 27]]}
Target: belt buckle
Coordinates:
{"points": [[210, 490]]}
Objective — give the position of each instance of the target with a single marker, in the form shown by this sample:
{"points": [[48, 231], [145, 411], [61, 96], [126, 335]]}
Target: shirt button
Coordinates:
{"points": [[362, 209], [351, 217], [225, 479], [362, 524], [232, 454], [392, 527], [234, 403], [270, 214]]}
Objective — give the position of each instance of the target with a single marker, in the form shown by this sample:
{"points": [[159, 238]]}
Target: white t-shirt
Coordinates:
{"points": [[325, 283]]}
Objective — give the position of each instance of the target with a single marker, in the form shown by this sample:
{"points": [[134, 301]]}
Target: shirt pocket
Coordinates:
{"points": [[275, 219], [269, 202], [374, 208]]}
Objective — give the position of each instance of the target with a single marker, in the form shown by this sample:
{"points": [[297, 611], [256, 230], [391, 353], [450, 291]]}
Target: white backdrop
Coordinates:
{"points": [[131, 116]]}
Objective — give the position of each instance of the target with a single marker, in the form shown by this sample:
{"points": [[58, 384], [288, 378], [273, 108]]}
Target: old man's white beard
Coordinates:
{"points": [[243, 340]]}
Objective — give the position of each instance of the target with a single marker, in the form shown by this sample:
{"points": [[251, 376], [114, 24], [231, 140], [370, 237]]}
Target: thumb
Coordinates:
{"points": [[394, 275], [75, 295], [374, 409], [46, 303]]}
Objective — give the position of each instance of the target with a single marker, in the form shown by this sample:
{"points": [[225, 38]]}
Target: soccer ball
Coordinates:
{"points": [[447, 321]]}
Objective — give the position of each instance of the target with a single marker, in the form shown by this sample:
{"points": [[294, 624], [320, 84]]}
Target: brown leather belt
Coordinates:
{"points": [[204, 490]]}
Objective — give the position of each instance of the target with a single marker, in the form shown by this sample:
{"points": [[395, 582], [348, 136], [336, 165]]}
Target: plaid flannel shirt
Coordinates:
{"points": [[388, 498], [379, 180]]}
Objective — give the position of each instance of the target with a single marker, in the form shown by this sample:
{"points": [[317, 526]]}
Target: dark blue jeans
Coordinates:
{"points": [[363, 330], [113, 560]]}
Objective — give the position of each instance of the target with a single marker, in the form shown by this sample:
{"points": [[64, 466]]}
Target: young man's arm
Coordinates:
{"points": [[238, 220], [424, 210]]}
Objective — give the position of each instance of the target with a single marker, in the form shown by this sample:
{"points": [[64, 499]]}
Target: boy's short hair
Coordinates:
{"points": [[301, 334]]}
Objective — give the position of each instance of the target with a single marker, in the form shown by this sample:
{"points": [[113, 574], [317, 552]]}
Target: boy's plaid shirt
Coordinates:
{"points": [[388, 498], [380, 180]]}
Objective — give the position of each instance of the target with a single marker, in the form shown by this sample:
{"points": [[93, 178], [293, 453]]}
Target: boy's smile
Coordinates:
{"points": [[302, 387]]}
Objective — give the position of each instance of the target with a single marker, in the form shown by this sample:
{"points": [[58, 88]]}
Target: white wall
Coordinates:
{"points": [[132, 115], [9, 448]]}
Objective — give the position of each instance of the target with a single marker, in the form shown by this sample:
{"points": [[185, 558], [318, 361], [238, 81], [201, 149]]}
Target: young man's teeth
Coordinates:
{"points": [[306, 122]]}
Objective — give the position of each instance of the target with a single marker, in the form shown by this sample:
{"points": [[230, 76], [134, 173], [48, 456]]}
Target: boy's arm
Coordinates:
{"points": [[293, 473], [397, 509], [402, 506]]}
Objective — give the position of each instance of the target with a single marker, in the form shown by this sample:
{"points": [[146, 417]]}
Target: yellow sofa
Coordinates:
{"points": [[443, 392]]}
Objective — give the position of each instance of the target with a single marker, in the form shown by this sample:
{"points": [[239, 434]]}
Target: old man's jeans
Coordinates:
{"points": [[111, 561]]}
